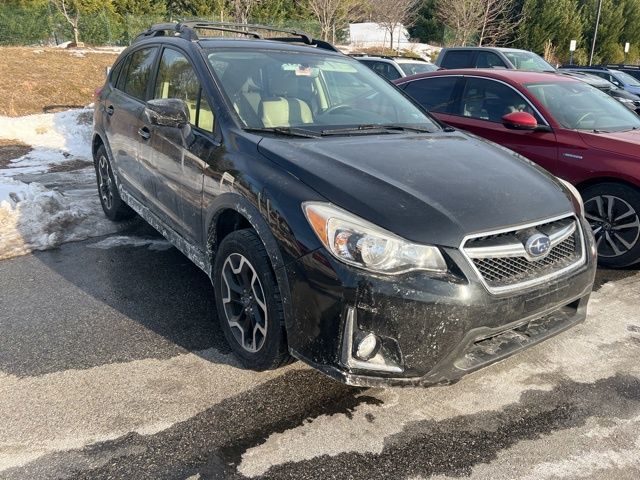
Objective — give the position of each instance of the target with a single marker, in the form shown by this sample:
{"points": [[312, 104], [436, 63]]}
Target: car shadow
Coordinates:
{"points": [[92, 304]]}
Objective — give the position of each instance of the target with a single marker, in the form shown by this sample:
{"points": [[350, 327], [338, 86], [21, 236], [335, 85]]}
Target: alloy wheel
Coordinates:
{"points": [[615, 224], [105, 185], [244, 302]]}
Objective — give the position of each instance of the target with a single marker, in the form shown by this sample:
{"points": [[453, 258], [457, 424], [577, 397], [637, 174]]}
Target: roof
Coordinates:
{"points": [[265, 44], [499, 49], [514, 76]]}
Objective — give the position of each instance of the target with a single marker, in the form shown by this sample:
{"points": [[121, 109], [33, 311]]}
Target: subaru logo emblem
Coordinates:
{"points": [[537, 245]]}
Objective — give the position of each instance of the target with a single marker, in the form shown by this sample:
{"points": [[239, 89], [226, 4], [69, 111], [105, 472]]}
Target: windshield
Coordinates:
{"points": [[412, 68], [578, 106], [528, 61], [278, 89], [627, 79]]}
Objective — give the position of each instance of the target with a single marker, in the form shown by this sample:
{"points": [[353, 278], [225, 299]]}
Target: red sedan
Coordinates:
{"points": [[568, 127]]}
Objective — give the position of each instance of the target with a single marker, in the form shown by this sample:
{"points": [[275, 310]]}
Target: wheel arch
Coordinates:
{"points": [[608, 179], [231, 212]]}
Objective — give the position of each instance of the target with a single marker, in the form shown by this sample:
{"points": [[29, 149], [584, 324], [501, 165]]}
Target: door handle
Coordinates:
{"points": [[144, 133], [109, 110]]}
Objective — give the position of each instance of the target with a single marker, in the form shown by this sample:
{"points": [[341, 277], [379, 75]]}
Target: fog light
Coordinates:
{"points": [[366, 346]]}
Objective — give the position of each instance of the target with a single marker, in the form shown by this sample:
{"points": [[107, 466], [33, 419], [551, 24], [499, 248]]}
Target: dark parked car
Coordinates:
{"points": [[633, 70], [339, 223], [619, 78], [568, 127], [392, 68]]}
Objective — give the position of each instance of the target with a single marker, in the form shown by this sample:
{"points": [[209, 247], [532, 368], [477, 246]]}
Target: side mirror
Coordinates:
{"points": [[167, 112], [520, 121]]}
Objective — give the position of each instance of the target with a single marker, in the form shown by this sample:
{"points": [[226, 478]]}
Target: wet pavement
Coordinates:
{"points": [[112, 366]]}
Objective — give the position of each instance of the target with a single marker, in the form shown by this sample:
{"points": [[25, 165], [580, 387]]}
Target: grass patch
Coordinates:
{"points": [[33, 80]]}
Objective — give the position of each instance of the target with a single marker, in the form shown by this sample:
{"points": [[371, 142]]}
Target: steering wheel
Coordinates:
{"points": [[337, 109], [584, 117]]}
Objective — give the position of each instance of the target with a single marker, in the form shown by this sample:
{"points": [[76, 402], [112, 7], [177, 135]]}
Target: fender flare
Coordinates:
{"points": [[244, 207]]}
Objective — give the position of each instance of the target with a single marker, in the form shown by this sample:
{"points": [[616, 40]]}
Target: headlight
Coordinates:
{"points": [[577, 198], [357, 242]]}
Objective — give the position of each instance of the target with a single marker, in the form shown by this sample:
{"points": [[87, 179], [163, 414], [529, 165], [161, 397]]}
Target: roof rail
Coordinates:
{"points": [[622, 65], [187, 30], [387, 57]]}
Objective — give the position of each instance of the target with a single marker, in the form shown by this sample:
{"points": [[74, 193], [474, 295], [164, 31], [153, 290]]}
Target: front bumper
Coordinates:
{"points": [[431, 330]]}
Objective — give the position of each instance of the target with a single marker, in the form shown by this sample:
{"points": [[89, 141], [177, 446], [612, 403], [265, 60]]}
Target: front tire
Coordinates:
{"points": [[613, 211], [248, 302], [113, 206]]}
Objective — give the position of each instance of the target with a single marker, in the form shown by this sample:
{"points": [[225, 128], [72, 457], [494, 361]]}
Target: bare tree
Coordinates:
{"points": [[491, 22], [393, 14], [70, 9], [330, 13], [464, 17], [499, 22], [242, 9]]}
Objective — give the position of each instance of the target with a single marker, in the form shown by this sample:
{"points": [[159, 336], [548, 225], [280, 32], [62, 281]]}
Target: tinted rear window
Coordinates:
{"points": [[434, 94], [458, 59]]}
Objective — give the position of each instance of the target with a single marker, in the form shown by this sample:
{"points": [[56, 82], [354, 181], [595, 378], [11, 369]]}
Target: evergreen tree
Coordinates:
{"points": [[427, 28], [555, 21]]}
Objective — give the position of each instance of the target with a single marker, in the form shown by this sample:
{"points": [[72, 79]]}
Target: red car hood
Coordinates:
{"points": [[627, 143]]}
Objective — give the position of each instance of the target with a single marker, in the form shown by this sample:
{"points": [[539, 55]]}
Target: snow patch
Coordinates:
{"points": [[54, 137], [33, 217], [128, 241]]}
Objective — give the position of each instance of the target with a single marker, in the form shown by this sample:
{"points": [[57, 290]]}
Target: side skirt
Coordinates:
{"points": [[193, 253]]}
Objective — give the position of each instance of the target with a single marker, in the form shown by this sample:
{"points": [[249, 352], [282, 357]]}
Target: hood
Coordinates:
{"points": [[625, 143], [427, 188], [622, 93]]}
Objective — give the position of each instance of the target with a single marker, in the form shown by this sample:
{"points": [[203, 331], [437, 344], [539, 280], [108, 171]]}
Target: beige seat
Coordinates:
{"points": [[284, 108], [284, 112]]}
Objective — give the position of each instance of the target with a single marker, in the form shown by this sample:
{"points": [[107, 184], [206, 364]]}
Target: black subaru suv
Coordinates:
{"points": [[339, 223]]}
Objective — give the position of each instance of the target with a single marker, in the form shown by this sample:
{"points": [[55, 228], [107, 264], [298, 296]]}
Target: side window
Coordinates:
{"points": [[383, 69], [489, 60], [489, 100], [458, 59], [115, 72], [391, 72], [434, 94], [177, 79], [138, 71]]}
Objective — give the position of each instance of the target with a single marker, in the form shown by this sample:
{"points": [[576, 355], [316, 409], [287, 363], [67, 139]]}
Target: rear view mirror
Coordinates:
{"points": [[520, 121], [167, 112]]}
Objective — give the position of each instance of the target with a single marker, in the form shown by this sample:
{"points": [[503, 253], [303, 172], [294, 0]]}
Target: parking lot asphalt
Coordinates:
{"points": [[112, 366]]}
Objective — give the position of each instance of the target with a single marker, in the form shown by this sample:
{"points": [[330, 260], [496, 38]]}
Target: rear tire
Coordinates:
{"points": [[113, 206], [613, 211], [248, 302]]}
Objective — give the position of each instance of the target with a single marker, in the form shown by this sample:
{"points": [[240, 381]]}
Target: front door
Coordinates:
{"points": [[176, 158], [480, 108]]}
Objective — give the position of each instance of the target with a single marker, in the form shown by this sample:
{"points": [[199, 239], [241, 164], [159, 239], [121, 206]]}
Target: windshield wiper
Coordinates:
{"points": [[375, 128], [290, 131]]}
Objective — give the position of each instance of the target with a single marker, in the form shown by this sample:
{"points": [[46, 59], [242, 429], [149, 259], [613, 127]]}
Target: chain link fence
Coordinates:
{"points": [[45, 26]]}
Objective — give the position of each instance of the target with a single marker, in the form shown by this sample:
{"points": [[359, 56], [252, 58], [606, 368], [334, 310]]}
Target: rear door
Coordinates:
{"points": [[124, 107], [479, 109], [176, 158]]}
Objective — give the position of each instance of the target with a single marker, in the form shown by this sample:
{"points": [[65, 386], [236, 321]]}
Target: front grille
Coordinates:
{"points": [[501, 266]]}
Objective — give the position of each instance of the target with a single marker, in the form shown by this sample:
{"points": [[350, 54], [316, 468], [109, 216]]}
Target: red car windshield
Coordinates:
{"points": [[578, 106]]}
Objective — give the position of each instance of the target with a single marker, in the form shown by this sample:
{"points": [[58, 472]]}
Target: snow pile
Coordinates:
{"points": [[55, 138], [39, 208], [33, 217]]}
